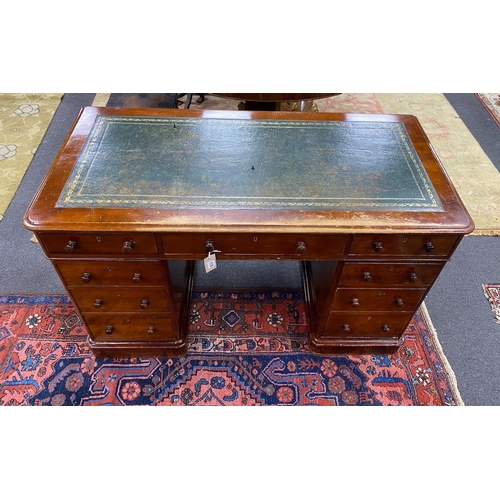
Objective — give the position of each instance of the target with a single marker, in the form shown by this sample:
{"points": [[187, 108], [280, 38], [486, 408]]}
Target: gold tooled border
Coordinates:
{"points": [[415, 167]]}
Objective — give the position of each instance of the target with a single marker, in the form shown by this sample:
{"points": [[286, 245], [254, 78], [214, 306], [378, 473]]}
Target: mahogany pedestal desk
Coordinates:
{"points": [[136, 196]]}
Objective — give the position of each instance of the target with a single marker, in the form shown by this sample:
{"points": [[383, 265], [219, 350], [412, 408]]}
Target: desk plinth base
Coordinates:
{"points": [[356, 346], [137, 349]]}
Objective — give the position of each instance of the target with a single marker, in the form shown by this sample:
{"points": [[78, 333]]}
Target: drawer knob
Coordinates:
{"points": [[377, 246], [144, 303], [109, 330], [355, 302], [209, 246], [98, 303], [399, 303], [151, 330], [70, 246], [127, 246], [429, 247], [86, 277], [136, 278], [367, 276], [386, 328], [346, 328], [300, 247], [412, 277]]}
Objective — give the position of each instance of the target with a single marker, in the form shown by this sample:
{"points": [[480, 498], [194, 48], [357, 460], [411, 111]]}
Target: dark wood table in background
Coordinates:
{"points": [[276, 102], [136, 196]]}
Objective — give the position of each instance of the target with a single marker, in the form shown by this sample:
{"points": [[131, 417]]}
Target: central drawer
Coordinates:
{"points": [[120, 299], [234, 245]]}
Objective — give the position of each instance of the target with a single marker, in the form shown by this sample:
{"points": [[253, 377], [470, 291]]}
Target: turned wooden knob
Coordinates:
{"points": [[209, 246], [136, 278], [346, 328], [429, 247], [144, 304], [70, 246], [355, 302], [98, 303], [377, 246], [386, 328], [151, 330], [127, 246], [86, 277], [399, 303], [300, 247], [109, 330], [367, 276], [412, 276]]}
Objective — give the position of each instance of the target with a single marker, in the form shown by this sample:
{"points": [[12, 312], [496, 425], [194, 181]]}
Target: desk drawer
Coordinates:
{"points": [[377, 299], [119, 299], [111, 272], [78, 244], [373, 274], [421, 245], [296, 246], [123, 327], [345, 325]]}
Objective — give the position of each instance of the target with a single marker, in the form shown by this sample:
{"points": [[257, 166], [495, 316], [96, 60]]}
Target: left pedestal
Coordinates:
{"points": [[132, 302]]}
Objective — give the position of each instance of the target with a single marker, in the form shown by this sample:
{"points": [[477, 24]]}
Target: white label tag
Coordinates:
{"points": [[210, 262]]}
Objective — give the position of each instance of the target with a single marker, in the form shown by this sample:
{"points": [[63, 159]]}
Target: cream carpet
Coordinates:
{"points": [[474, 176], [24, 119]]}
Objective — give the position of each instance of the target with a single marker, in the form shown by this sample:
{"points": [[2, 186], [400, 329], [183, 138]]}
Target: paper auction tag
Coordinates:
{"points": [[210, 262]]}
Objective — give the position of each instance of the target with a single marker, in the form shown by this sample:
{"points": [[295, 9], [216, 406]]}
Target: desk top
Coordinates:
{"points": [[185, 170]]}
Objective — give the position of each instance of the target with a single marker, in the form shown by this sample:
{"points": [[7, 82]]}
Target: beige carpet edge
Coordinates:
{"points": [[100, 100], [485, 232]]}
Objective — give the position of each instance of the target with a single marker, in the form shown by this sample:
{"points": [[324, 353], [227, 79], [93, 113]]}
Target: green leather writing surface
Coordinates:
{"points": [[150, 162]]}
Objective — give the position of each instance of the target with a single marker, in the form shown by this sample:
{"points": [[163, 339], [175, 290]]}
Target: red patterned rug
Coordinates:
{"points": [[245, 348], [492, 293], [492, 104]]}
